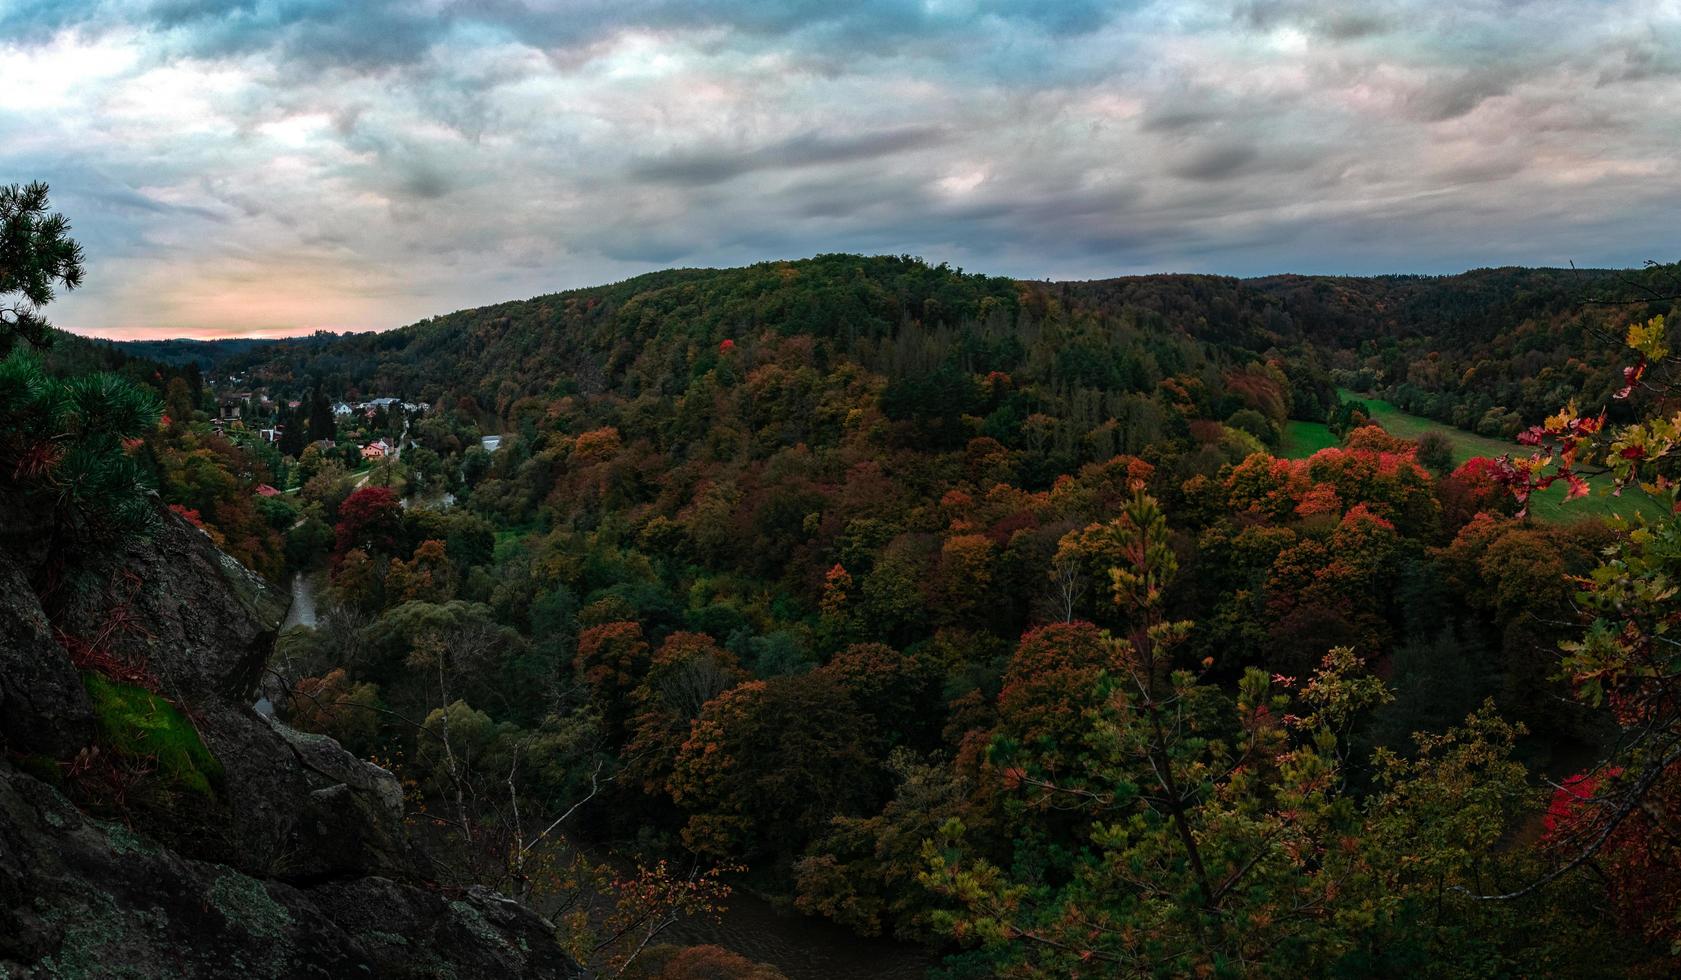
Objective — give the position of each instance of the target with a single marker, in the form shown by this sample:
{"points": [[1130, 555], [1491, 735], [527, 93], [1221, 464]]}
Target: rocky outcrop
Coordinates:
{"points": [[294, 862], [43, 708], [86, 898], [204, 623]]}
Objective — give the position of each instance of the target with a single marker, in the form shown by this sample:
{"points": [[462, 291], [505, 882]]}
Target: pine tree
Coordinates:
{"points": [[67, 476], [321, 422], [292, 432], [65, 467], [35, 253]]}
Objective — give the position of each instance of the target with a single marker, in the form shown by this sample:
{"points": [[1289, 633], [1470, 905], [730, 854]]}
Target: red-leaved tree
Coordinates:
{"points": [[370, 519]]}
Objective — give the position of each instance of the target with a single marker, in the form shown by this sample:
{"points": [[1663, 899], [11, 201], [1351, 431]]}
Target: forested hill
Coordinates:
{"points": [[1496, 344], [1489, 350], [1473, 306], [204, 353], [600, 334]]}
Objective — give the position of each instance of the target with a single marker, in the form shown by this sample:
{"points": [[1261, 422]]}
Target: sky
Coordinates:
{"points": [[260, 167]]}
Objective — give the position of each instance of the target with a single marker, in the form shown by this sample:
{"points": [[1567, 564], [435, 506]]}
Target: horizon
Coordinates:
{"points": [[148, 334], [269, 167]]}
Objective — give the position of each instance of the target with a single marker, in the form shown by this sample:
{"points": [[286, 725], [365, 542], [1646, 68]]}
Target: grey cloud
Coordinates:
{"points": [[1176, 117], [1349, 26], [1216, 162], [112, 196], [1641, 60], [36, 21], [1067, 18], [806, 150], [1333, 20], [850, 196], [1052, 214], [424, 183], [1481, 171], [884, 212], [506, 148], [1450, 95], [404, 168], [645, 246], [124, 198], [314, 35], [313, 32]]}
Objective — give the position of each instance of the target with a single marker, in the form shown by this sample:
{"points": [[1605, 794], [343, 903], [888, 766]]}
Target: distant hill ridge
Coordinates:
{"points": [[627, 336]]}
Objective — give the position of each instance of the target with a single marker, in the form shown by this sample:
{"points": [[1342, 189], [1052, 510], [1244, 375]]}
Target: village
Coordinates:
{"points": [[367, 437], [256, 411]]}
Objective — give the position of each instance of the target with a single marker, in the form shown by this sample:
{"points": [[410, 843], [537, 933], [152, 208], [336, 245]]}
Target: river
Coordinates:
{"points": [[300, 613], [302, 610], [802, 947]]}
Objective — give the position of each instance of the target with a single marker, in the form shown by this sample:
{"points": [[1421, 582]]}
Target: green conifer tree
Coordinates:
{"points": [[67, 476], [36, 253]]}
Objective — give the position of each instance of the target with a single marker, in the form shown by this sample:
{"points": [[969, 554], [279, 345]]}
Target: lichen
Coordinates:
{"points": [[308, 738], [251, 591], [476, 924], [94, 930], [125, 841], [244, 902]]}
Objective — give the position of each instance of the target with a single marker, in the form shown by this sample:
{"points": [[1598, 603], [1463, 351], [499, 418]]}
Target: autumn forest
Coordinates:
{"points": [[1153, 626]]}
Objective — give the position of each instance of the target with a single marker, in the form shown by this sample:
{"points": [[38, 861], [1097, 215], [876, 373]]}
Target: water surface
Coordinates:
{"points": [[803, 947]]}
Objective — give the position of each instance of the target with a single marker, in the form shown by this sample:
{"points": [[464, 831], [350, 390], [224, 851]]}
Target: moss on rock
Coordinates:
{"points": [[138, 724]]}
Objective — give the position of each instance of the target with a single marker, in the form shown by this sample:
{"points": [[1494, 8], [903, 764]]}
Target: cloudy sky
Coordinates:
{"points": [[260, 166]]}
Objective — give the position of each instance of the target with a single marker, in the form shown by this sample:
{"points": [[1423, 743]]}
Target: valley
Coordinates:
{"points": [[807, 596], [964, 490]]}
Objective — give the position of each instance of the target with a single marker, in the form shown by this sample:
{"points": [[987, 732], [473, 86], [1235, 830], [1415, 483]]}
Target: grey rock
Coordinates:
{"points": [[205, 623], [43, 707], [297, 865], [82, 898]]}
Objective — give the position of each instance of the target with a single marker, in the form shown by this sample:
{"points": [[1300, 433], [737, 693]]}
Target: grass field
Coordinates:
{"points": [[1303, 439]]}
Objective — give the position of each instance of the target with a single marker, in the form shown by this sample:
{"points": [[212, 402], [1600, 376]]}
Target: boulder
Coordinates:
{"points": [[203, 623]]}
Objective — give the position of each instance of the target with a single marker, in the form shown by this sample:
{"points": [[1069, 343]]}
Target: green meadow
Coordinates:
{"points": [[1303, 439]]}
